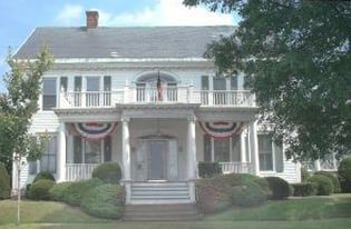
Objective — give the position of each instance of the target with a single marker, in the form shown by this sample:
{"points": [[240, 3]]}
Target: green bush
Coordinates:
{"points": [[280, 188], [5, 186], [39, 190], [304, 174], [332, 178], [305, 189], [209, 169], [109, 172], [248, 195], [323, 184], [212, 194], [344, 174], [237, 179], [57, 191], [75, 192], [44, 176], [104, 201]]}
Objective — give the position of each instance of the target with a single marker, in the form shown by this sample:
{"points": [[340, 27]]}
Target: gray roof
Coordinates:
{"points": [[123, 42]]}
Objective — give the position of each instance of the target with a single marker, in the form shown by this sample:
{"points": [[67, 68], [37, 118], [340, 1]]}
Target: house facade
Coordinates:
{"points": [[146, 98]]}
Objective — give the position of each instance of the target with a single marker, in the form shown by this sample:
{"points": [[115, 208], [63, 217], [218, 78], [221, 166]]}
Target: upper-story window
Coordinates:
{"points": [[49, 93]]}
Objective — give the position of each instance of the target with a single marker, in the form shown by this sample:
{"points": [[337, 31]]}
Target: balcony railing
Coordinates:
{"points": [[169, 95], [236, 167]]}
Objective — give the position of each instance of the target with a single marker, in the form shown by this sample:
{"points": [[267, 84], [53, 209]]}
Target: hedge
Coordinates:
{"points": [[75, 192], [209, 169], [280, 188], [248, 195], [39, 190], [305, 189], [332, 178], [344, 174], [323, 184], [109, 172], [44, 176], [104, 201], [57, 191], [5, 187]]}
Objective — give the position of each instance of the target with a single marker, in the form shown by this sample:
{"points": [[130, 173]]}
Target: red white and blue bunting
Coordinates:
{"points": [[222, 129], [94, 130]]}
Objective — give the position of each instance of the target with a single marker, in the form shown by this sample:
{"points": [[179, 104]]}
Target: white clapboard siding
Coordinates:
{"points": [[24, 175], [44, 121], [291, 172]]}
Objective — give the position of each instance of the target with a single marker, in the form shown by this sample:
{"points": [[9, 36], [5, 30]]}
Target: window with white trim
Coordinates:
{"points": [[221, 150], [91, 151], [49, 159], [270, 154], [49, 94]]}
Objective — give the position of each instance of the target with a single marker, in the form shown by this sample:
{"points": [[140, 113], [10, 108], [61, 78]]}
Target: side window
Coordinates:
{"points": [[48, 159], [49, 93], [265, 152], [63, 84]]}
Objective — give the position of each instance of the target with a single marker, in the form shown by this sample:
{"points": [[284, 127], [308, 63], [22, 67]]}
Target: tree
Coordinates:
{"points": [[16, 110], [296, 57]]}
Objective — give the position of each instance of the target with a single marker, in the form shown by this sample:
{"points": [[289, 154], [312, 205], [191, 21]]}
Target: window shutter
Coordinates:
{"points": [[279, 159], [204, 83]]}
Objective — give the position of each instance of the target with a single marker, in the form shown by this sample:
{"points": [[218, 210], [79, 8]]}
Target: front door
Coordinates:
{"points": [[157, 158]]}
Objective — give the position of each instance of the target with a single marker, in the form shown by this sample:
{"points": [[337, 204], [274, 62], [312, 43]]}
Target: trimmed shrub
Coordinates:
{"points": [[212, 194], [237, 179], [5, 187], [280, 188], [323, 184], [39, 190], [305, 189], [109, 172], [57, 191], [75, 192], [332, 178], [209, 169], [304, 174], [44, 176], [248, 195], [104, 201], [344, 174]]}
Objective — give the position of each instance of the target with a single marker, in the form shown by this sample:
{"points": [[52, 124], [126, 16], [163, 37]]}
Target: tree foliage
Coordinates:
{"points": [[296, 57], [18, 105]]}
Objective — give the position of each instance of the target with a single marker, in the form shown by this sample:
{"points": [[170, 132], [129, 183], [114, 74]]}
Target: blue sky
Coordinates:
{"points": [[20, 17]]}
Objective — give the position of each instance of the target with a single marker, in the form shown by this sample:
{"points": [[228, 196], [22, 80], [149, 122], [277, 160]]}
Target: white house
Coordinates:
{"points": [[146, 98]]}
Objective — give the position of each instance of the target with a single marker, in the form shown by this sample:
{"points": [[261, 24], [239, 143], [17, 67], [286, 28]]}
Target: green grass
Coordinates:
{"points": [[336, 206], [307, 213]]}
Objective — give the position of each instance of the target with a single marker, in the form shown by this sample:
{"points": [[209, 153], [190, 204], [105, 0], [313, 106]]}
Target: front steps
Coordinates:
{"points": [[161, 212], [160, 193]]}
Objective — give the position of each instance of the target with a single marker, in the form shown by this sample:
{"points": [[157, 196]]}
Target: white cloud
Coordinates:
{"points": [[70, 15], [167, 12]]}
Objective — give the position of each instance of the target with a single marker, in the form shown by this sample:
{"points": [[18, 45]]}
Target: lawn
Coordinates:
{"points": [[309, 213]]}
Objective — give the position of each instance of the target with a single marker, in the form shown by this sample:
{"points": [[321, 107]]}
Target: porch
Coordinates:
{"points": [[83, 171]]}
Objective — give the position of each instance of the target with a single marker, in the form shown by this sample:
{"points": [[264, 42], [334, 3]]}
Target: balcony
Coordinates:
{"points": [[169, 95]]}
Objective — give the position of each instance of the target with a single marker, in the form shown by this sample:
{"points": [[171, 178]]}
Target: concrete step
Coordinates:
{"points": [[153, 197], [162, 212], [160, 192]]}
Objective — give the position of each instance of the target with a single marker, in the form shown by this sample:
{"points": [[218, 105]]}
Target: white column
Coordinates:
{"points": [[243, 146], [126, 149], [210, 88], [317, 165], [126, 158], [192, 163], [254, 148], [62, 153]]}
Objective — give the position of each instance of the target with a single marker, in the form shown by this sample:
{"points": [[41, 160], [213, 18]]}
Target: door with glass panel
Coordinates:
{"points": [[92, 91]]}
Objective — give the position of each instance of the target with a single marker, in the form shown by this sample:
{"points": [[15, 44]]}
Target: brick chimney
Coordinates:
{"points": [[92, 19]]}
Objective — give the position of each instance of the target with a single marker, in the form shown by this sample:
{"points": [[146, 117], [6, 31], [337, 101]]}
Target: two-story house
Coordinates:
{"points": [[146, 98]]}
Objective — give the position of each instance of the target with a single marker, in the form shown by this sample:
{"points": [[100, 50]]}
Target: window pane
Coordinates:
{"points": [[265, 152], [204, 83], [107, 83], [63, 83], [49, 93], [33, 167], [48, 160], [207, 148], [221, 148], [107, 149], [78, 83], [234, 82], [236, 148], [219, 83], [92, 151], [93, 84], [77, 148]]}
